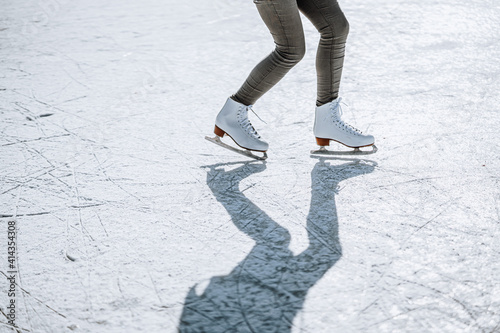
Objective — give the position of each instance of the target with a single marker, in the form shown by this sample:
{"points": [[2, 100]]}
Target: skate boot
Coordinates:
{"points": [[328, 125], [233, 121]]}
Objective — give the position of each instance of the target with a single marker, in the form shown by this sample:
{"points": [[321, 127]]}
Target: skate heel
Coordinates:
{"points": [[322, 142], [219, 132]]}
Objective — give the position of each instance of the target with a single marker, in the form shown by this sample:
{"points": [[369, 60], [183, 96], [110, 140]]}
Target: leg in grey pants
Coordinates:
{"points": [[283, 20]]}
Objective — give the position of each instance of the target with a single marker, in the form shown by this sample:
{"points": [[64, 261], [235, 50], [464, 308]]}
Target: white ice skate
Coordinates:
{"points": [[233, 121], [328, 125]]}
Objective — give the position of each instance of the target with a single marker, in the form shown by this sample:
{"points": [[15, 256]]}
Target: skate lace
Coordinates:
{"points": [[246, 124], [337, 118]]}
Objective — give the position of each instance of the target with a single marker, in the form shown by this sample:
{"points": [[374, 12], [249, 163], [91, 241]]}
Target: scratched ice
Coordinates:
{"points": [[130, 221]]}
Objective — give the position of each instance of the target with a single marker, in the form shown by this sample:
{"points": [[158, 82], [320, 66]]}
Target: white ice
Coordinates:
{"points": [[129, 221]]}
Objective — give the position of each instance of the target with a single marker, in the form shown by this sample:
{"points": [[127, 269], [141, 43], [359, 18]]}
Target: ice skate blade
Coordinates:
{"points": [[216, 139], [323, 151]]}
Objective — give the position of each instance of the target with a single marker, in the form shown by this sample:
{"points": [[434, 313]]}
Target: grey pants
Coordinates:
{"points": [[283, 20]]}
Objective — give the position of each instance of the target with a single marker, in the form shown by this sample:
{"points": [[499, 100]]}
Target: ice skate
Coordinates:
{"points": [[328, 126], [233, 121]]}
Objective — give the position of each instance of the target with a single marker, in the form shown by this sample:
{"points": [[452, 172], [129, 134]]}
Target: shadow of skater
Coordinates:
{"points": [[267, 289]]}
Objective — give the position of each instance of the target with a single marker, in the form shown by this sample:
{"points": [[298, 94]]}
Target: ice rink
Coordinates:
{"points": [[128, 220]]}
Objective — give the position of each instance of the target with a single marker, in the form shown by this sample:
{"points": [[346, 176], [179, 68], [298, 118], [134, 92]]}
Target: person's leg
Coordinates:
{"points": [[331, 23], [283, 21], [333, 27]]}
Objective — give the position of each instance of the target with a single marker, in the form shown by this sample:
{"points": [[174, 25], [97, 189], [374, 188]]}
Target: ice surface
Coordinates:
{"points": [[130, 221]]}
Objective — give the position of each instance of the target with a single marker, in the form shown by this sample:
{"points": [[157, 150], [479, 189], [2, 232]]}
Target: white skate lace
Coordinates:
{"points": [[337, 118], [247, 125]]}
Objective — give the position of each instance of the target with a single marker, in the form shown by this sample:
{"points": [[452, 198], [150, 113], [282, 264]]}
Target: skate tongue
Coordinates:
{"points": [[337, 106], [337, 112], [247, 126]]}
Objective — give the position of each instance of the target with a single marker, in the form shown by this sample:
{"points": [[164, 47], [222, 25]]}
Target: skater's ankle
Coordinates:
{"points": [[238, 100], [323, 102]]}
